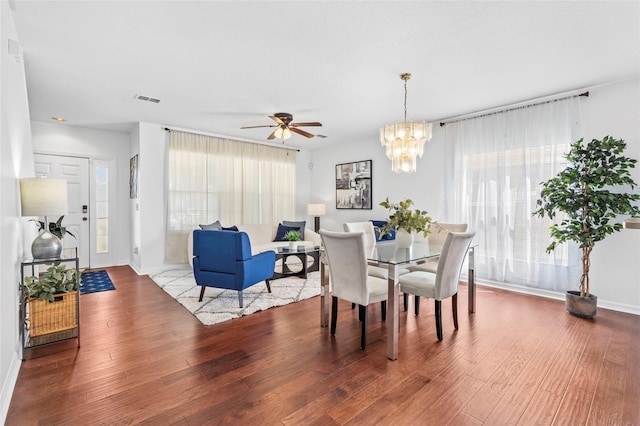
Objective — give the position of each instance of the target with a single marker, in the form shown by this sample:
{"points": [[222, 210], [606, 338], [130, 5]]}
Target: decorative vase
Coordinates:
{"points": [[404, 239], [583, 307]]}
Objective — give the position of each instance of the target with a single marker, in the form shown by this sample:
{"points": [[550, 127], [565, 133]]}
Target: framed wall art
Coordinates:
{"points": [[353, 185], [133, 177]]}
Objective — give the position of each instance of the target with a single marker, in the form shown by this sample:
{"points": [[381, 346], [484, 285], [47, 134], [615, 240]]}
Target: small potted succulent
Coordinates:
{"points": [[293, 237], [406, 221]]}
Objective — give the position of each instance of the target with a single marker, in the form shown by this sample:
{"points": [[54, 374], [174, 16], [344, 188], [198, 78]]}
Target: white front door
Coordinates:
{"points": [[76, 171]]}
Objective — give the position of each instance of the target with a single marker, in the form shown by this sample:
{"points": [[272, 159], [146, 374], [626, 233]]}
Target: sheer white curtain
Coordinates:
{"points": [[495, 164], [234, 182]]}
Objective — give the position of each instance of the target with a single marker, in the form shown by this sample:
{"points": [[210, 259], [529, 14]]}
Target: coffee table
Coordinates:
{"points": [[301, 267]]}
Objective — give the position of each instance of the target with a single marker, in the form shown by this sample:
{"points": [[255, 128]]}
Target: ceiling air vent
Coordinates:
{"points": [[147, 98]]}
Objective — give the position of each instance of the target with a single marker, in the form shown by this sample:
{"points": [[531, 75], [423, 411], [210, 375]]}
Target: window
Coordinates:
{"points": [[102, 209], [495, 165]]}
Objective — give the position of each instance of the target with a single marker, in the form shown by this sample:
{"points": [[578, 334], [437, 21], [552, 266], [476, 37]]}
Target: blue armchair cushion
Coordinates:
{"points": [[300, 224], [377, 228], [282, 229]]}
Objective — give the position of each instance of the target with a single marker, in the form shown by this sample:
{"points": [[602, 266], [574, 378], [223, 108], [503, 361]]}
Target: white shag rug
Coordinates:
{"points": [[220, 305]]}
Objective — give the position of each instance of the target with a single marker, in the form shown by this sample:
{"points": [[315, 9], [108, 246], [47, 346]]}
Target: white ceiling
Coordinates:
{"points": [[220, 65]]}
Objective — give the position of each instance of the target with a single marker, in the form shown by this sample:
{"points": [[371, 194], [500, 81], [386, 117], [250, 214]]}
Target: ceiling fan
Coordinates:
{"points": [[284, 126]]}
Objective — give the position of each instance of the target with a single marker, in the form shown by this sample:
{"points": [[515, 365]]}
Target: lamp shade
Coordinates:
{"points": [[316, 209], [43, 197]]}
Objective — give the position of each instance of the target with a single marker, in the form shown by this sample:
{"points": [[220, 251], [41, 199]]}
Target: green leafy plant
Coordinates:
{"points": [[403, 217], [55, 228], [293, 235], [55, 280], [583, 192]]}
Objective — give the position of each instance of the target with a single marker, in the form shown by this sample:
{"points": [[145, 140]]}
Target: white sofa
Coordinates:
{"points": [[261, 237]]}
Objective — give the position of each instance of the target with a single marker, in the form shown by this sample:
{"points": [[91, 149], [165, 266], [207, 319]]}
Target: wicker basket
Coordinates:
{"points": [[50, 317]]}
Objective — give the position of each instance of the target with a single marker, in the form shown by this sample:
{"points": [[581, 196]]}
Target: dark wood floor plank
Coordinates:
{"points": [[144, 359]]}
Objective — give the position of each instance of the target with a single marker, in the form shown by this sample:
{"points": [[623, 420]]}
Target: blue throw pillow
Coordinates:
{"points": [[231, 228], [377, 227], [300, 225], [283, 230]]}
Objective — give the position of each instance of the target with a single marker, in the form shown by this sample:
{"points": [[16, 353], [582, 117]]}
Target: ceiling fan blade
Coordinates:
{"points": [[301, 132], [255, 127], [276, 119], [272, 135], [313, 123]]}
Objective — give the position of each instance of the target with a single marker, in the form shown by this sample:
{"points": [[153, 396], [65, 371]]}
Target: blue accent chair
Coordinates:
{"points": [[222, 259]]}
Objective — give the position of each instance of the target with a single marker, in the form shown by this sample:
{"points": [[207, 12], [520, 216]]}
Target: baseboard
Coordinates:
{"points": [[604, 304], [153, 271], [8, 386]]}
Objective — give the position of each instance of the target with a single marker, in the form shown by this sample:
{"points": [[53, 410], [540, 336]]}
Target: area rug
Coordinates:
{"points": [[222, 305], [95, 281]]}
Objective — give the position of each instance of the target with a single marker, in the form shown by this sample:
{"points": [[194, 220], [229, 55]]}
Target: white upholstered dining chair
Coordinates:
{"points": [[369, 241], [350, 281], [442, 284], [437, 236]]}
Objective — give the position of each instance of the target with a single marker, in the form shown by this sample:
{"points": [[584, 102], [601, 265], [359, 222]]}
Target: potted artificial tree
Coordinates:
{"points": [[406, 221], [585, 194]]}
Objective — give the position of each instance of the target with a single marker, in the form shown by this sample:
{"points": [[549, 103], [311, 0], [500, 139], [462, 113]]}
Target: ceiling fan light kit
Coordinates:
{"points": [[404, 141], [284, 127]]}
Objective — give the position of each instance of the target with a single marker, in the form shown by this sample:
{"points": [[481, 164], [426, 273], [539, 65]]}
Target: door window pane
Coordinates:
{"points": [[102, 209]]}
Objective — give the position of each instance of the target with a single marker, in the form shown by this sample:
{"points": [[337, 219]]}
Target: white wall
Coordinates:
{"points": [[615, 262], [16, 161], [610, 110], [63, 139]]}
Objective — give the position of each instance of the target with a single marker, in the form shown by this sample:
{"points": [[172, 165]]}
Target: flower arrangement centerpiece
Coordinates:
{"points": [[406, 220]]}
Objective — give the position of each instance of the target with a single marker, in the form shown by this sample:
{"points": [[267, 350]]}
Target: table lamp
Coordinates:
{"points": [[44, 197], [316, 210]]}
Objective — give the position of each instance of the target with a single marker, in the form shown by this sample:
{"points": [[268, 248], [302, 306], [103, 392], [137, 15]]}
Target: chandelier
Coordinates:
{"points": [[404, 141]]}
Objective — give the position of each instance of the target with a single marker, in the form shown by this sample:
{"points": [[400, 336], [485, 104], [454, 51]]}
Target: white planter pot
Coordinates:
{"points": [[293, 245], [403, 238]]}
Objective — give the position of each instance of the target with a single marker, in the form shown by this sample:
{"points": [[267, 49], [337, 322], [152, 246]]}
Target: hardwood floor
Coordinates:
{"points": [[520, 360]]}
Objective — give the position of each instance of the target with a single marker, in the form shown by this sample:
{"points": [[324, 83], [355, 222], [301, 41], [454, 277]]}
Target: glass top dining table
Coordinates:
{"points": [[394, 258]]}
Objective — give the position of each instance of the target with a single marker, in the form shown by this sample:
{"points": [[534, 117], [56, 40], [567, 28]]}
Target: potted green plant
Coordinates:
{"points": [[55, 228], [55, 280], [293, 237], [584, 194], [407, 221]]}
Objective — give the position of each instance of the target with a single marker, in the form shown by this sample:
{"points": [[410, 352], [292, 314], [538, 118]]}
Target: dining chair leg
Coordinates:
{"points": [[416, 308], [383, 308], [405, 299], [202, 293], [334, 314], [363, 336], [454, 304], [439, 319]]}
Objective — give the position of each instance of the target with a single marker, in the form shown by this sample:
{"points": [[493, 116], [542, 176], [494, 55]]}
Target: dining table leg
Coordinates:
{"points": [[393, 317], [324, 295]]}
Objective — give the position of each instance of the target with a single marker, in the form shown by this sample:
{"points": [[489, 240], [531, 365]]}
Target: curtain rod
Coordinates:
{"points": [[508, 108], [258, 143]]}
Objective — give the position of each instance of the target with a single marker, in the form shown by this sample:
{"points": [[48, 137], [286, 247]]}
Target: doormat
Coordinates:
{"points": [[95, 281]]}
